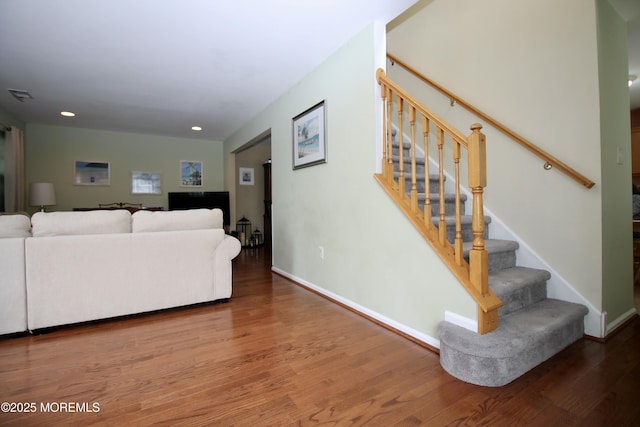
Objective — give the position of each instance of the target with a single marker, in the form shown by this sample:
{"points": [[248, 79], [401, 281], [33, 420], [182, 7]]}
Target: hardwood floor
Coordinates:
{"points": [[278, 355]]}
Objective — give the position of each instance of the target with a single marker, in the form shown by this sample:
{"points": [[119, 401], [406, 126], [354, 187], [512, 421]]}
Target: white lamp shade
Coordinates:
{"points": [[42, 194]]}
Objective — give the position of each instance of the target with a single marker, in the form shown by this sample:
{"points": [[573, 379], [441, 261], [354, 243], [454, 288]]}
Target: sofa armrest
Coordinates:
{"points": [[230, 247], [226, 251]]}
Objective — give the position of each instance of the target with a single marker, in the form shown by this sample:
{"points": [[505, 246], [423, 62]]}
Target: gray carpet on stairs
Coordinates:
{"points": [[531, 328], [523, 340]]}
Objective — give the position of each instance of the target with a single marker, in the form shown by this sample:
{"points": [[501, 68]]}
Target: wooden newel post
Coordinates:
{"points": [[478, 256]]}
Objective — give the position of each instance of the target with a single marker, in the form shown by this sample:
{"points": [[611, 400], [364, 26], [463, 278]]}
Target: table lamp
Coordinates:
{"points": [[42, 194]]}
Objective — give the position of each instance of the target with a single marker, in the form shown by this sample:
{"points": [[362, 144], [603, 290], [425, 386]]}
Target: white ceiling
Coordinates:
{"points": [[630, 11], [162, 66]]}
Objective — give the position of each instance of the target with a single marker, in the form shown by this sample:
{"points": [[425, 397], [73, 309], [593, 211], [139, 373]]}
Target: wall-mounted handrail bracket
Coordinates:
{"points": [[456, 100]]}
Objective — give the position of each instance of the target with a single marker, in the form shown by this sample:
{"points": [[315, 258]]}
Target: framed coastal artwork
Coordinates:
{"points": [[190, 173], [146, 182], [91, 173], [309, 137]]}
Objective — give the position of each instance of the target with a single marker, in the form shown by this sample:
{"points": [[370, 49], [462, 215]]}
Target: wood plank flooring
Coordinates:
{"points": [[279, 355]]}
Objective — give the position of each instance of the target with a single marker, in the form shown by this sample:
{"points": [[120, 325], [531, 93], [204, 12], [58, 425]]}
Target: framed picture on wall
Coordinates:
{"points": [[146, 182], [246, 176], [190, 173], [309, 139], [91, 173]]}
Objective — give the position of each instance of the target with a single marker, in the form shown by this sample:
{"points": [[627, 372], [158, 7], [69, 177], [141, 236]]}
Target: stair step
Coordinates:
{"points": [[407, 151], [502, 253], [531, 327], [523, 340], [518, 287], [420, 169], [434, 181], [406, 145], [466, 224], [449, 203]]}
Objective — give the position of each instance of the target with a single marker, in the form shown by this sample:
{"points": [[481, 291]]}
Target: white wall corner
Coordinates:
{"points": [[610, 327], [380, 58]]}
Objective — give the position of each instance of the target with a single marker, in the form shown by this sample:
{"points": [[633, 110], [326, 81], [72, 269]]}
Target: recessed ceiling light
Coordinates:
{"points": [[632, 78], [196, 128], [67, 114]]}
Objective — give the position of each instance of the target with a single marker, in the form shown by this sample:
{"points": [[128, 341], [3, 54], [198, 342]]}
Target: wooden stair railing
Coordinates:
{"points": [[550, 161], [474, 274]]}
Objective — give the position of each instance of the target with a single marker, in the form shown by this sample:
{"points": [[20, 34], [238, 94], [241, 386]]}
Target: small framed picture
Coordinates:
{"points": [[91, 173], [309, 141], [246, 176], [146, 182], [190, 173]]}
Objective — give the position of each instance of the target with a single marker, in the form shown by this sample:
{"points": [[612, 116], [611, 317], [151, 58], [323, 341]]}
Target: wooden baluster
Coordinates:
{"points": [[414, 186], [458, 238], [385, 130], [442, 225], [427, 187], [401, 182], [478, 256], [389, 165]]}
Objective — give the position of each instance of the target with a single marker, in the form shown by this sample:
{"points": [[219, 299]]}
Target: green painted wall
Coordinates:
{"points": [[617, 241], [250, 198], [373, 257], [560, 88], [50, 152]]}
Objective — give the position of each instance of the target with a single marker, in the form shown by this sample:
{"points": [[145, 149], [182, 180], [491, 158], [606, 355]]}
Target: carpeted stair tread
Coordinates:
{"points": [[449, 203], [523, 340], [493, 246], [448, 197], [419, 176], [502, 253], [518, 287], [466, 222], [433, 184], [516, 332], [450, 220]]}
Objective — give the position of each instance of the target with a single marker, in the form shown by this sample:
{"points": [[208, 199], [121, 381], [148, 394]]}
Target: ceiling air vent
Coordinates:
{"points": [[20, 95]]}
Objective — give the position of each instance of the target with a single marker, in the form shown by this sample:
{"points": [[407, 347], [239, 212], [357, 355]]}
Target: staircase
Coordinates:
{"points": [[532, 327]]}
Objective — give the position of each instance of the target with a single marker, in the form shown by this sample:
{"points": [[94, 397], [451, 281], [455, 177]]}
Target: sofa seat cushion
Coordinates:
{"points": [[15, 225], [46, 224], [191, 219]]}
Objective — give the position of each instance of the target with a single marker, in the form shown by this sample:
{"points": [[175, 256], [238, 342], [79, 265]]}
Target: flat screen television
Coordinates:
{"points": [[201, 199]]}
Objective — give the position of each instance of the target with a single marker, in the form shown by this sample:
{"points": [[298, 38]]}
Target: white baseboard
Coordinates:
{"points": [[463, 322], [417, 335], [619, 321]]}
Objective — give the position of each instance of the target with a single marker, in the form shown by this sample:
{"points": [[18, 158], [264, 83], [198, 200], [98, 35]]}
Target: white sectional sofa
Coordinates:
{"points": [[82, 266], [14, 229]]}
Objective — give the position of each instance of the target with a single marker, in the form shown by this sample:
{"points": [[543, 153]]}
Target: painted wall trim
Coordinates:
{"points": [[463, 322], [619, 321], [417, 335]]}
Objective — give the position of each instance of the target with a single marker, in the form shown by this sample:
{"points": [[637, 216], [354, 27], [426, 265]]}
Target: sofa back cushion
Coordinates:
{"points": [[15, 225], [72, 223], [191, 219]]}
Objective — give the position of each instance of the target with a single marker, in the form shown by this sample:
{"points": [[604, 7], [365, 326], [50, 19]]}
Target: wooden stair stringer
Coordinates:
{"points": [[486, 302]]}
